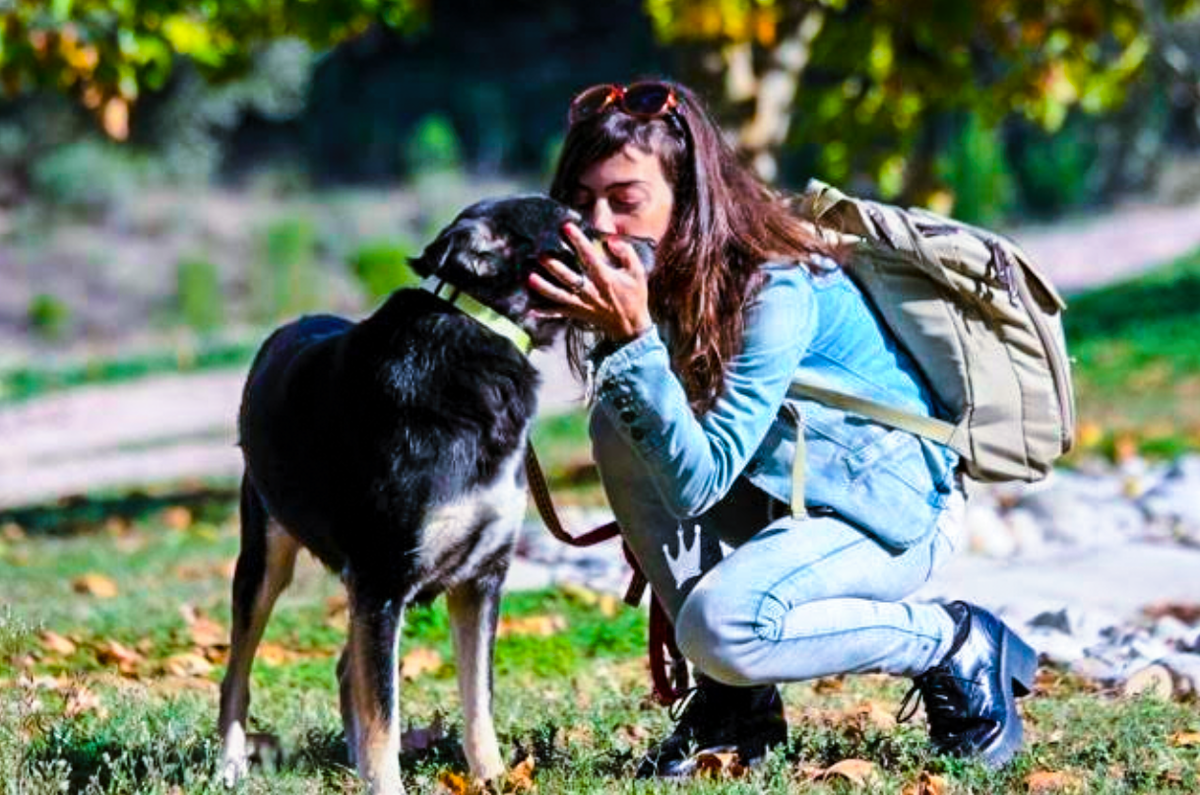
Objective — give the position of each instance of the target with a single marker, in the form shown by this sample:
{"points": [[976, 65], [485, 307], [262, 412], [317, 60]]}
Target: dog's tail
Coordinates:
{"points": [[254, 539]]}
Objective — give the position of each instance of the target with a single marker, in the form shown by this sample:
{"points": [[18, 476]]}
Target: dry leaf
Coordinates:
{"points": [[12, 532], [453, 783], [1185, 739], [187, 664], [871, 713], [274, 654], [57, 644], [828, 684], [720, 765], [927, 784], [520, 778], [541, 626], [1051, 781], [127, 660], [95, 585], [177, 518], [856, 771], [204, 631], [81, 700], [419, 661]]}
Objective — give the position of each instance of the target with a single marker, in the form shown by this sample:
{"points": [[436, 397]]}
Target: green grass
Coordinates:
{"points": [[575, 700], [1136, 346]]}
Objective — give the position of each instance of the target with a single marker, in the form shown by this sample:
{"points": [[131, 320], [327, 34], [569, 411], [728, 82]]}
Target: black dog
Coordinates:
{"points": [[392, 449]]}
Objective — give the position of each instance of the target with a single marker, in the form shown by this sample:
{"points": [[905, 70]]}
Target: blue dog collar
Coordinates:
{"points": [[485, 315]]}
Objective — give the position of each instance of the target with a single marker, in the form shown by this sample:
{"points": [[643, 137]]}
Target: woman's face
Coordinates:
{"points": [[626, 194]]}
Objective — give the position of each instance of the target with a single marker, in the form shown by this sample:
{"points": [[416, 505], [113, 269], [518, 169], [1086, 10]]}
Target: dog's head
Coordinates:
{"points": [[490, 249]]}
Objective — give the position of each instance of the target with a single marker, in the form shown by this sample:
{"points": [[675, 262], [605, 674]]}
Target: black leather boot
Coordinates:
{"points": [[971, 696], [719, 718]]}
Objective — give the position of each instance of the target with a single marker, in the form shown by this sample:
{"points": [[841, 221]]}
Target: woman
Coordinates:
{"points": [[694, 436]]}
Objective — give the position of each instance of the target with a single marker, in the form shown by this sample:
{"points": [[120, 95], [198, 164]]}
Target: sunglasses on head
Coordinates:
{"points": [[648, 100]]}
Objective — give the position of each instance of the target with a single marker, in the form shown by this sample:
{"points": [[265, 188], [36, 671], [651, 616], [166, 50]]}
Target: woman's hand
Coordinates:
{"points": [[611, 295]]}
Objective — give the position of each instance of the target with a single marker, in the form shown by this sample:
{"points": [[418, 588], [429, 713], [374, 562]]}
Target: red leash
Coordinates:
{"points": [[669, 676]]}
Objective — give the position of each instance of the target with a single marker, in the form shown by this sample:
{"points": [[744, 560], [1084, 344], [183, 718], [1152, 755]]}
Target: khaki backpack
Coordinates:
{"points": [[983, 325]]}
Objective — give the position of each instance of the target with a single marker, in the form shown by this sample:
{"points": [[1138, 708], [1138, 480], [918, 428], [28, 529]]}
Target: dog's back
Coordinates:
{"points": [[361, 438]]}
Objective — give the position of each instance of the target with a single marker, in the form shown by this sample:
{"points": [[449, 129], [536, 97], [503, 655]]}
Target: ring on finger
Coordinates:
{"points": [[578, 286]]}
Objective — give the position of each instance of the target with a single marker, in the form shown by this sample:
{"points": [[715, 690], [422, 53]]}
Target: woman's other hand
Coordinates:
{"points": [[611, 294]]}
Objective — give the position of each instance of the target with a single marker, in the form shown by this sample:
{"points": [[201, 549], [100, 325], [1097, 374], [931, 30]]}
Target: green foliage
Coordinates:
{"points": [[975, 170], [284, 279], [198, 294], [433, 148], [48, 316], [87, 176], [381, 266], [107, 53], [1054, 170]]}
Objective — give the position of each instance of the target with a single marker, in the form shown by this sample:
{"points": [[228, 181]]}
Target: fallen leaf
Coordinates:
{"points": [[520, 778], [874, 714], [828, 684], [419, 661], [12, 532], [1185, 739], [187, 664], [1154, 680], [720, 765], [127, 660], [274, 654], [541, 626], [80, 700], [856, 771], [57, 644], [95, 585], [1051, 781], [176, 518], [204, 631], [927, 784], [453, 783]]}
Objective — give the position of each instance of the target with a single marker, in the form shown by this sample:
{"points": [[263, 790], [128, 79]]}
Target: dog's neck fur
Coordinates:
{"points": [[486, 316]]}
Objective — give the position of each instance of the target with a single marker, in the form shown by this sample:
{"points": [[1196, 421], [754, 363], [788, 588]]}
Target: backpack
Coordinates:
{"points": [[982, 324]]}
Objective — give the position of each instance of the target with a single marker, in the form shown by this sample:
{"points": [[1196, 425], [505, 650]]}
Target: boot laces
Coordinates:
{"points": [[943, 696]]}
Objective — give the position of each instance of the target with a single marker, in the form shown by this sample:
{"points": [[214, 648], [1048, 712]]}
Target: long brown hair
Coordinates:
{"points": [[726, 224]]}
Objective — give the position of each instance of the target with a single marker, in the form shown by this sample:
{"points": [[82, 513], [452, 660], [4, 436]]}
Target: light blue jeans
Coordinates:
{"points": [[759, 597]]}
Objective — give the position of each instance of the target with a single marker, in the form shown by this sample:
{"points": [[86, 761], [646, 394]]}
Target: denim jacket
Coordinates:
{"points": [[801, 325]]}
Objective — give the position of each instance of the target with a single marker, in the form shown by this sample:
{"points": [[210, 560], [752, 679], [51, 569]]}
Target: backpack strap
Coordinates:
{"points": [[940, 431]]}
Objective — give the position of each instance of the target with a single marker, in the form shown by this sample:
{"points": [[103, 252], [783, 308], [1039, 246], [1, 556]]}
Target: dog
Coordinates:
{"points": [[392, 450]]}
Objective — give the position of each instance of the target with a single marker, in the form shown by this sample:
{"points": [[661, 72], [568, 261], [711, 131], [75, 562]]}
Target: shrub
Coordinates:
{"points": [[381, 266], [198, 294], [86, 176], [1055, 171], [975, 169], [285, 280], [433, 147], [48, 316]]}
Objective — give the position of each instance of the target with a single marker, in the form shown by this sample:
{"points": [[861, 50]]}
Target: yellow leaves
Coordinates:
{"points": [[856, 771], [517, 780], [722, 20], [56, 644], [202, 630], [1185, 740], [126, 660], [540, 626], [97, 585], [926, 784], [1045, 782], [419, 661]]}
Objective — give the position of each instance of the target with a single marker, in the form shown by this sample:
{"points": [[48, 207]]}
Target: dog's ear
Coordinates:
{"points": [[467, 247]]}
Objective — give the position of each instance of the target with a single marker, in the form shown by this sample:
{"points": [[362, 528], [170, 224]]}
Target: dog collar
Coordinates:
{"points": [[489, 317]]}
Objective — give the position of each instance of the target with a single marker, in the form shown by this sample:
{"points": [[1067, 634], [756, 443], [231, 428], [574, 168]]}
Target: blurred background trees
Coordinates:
{"points": [[989, 109]]}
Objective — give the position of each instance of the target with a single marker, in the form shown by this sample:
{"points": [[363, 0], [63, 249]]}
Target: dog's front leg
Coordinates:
{"points": [[373, 688], [474, 607]]}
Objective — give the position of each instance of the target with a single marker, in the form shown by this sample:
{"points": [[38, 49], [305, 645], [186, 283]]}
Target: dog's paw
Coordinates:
{"points": [[242, 750], [233, 769]]}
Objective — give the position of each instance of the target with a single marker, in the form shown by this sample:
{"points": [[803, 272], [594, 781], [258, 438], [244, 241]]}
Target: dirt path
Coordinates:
{"points": [[171, 428]]}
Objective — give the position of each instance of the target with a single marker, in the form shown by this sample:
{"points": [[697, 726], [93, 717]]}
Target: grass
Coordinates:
{"points": [[1136, 346], [571, 688]]}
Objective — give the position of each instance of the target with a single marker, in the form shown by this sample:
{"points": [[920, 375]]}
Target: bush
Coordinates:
{"points": [[433, 147], [87, 176], [198, 294], [285, 280], [975, 170], [381, 266], [1054, 171], [48, 317]]}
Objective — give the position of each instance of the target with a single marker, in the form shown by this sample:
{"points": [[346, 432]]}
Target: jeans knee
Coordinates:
{"points": [[716, 639]]}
